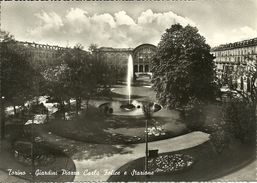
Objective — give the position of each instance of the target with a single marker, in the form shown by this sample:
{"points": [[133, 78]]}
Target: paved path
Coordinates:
{"points": [[129, 154], [247, 173]]}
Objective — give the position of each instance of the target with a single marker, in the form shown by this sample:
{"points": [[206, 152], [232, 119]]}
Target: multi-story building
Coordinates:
{"points": [[42, 54], [141, 55], [235, 62]]}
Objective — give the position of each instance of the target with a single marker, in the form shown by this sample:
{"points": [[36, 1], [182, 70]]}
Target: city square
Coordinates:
{"points": [[144, 94]]}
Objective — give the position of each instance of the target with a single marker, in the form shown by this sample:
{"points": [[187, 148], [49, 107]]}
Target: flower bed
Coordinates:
{"points": [[170, 163], [42, 156]]}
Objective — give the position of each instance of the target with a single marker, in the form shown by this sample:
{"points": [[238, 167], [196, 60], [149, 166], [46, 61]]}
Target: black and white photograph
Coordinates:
{"points": [[128, 90]]}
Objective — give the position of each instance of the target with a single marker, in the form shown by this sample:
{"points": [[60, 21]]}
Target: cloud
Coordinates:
{"points": [[117, 30], [47, 22], [123, 19]]}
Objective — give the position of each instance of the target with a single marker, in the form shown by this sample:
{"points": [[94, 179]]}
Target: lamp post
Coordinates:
{"points": [[2, 120], [147, 110], [33, 133], [146, 145]]}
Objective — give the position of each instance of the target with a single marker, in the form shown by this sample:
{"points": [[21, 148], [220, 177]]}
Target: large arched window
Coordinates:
{"points": [[142, 56]]}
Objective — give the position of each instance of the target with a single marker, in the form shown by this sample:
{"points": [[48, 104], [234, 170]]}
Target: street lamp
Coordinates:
{"points": [[147, 110], [2, 125], [2, 118]]}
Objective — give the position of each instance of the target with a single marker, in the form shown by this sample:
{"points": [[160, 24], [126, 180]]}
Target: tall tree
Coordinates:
{"points": [[56, 84], [248, 70], [183, 68], [17, 74], [92, 47], [80, 74]]}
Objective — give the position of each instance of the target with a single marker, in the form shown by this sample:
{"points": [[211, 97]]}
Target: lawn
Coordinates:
{"points": [[92, 126], [52, 161], [208, 164]]}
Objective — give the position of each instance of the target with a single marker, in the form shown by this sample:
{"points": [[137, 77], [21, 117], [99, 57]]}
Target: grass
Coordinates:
{"points": [[208, 164], [61, 161], [92, 127]]}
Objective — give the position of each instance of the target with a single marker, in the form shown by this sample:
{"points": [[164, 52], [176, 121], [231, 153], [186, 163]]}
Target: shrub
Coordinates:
{"points": [[220, 139], [194, 116], [240, 119]]}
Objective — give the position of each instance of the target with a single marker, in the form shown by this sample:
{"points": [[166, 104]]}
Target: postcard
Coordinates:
{"points": [[128, 90]]}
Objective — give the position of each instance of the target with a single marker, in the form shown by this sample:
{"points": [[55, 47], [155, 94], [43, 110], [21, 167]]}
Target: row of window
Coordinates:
{"points": [[236, 59], [141, 68], [233, 52]]}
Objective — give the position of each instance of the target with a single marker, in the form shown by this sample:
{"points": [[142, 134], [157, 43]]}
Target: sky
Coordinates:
{"points": [[127, 24]]}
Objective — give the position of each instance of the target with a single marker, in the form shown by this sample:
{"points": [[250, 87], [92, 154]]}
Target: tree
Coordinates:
{"points": [[248, 69], [56, 84], [17, 73], [183, 68], [240, 119], [241, 115], [92, 47], [80, 74]]}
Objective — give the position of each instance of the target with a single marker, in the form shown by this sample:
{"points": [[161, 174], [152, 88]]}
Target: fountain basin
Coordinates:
{"points": [[127, 107], [123, 108]]}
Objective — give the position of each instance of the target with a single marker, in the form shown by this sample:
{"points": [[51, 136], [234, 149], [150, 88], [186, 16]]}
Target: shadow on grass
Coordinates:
{"points": [[209, 165], [22, 168], [81, 151]]}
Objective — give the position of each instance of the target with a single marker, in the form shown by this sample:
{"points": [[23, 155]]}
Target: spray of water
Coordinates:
{"points": [[129, 76]]}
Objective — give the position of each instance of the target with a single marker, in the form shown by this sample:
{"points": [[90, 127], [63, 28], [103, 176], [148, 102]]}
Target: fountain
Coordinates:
{"points": [[129, 107], [129, 76]]}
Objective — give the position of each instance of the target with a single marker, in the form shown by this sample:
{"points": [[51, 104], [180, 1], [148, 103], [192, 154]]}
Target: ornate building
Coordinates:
{"points": [[42, 54], [141, 55], [234, 62]]}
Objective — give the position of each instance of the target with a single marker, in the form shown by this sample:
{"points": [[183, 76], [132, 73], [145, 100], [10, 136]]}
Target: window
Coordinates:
{"points": [[146, 68], [141, 68], [135, 68]]}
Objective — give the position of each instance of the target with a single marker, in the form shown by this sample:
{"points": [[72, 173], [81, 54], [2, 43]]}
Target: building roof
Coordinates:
{"points": [[44, 46], [239, 44], [114, 49]]}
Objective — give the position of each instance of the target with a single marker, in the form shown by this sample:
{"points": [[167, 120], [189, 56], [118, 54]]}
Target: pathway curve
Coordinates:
{"points": [[247, 173], [97, 167]]}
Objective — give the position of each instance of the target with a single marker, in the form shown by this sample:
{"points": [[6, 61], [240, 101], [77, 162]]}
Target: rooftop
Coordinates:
{"points": [[239, 44]]}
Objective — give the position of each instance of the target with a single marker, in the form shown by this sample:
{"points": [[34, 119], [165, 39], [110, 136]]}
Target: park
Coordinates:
{"points": [[84, 120]]}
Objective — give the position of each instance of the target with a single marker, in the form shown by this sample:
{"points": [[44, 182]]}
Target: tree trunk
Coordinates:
{"points": [[14, 110], [62, 109], [87, 102], [77, 106], [47, 115], [69, 105], [79, 103], [182, 113]]}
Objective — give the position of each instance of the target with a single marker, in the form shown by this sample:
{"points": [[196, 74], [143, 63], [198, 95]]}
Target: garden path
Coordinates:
{"points": [[97, 167], [247, 173]]}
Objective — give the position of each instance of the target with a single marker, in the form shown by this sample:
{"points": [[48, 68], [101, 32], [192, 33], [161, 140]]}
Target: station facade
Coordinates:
{"points": [[141, 55]]}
